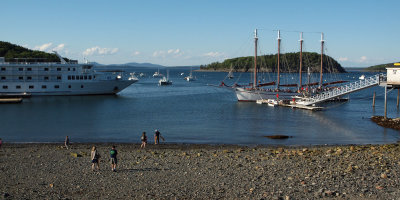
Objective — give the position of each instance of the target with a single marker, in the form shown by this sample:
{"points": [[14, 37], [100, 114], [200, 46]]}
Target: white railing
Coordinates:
{"points": [[345, 89]]}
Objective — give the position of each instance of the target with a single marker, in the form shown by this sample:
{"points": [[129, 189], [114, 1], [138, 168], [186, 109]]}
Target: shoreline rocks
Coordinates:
{"points": [[169, 171]]}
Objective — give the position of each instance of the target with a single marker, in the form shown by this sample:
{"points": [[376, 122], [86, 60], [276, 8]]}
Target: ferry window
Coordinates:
{"points": [[46, 78], [46, 69], [29, 69], [58, 77], [73, 69], [21, 78], [44, 87], [73, 77], [18, 87], [20, 69], [81, 77], [5, 86], [77, 77], [29, 78], [3, 78], [94, 77], [85, 77], [90, 77], [81, 86], [69, 69], [3, 69], [58, 69], [69, 86], [69, 77], [56, 86], [31, 87]]}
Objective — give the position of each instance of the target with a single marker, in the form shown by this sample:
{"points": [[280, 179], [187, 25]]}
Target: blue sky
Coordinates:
{"points": [[178, 33]]}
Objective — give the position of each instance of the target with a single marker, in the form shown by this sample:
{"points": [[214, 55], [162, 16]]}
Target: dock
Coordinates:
{"points": [[10, 100]]}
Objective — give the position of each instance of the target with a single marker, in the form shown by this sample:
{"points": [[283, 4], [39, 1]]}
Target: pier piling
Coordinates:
{"points": [[373, 100]]}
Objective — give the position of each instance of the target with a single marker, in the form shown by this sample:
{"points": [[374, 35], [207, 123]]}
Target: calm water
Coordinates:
{"points": [[193, 112]]}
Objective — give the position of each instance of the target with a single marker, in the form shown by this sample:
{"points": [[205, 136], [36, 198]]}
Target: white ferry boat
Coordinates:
{"points": [[62, 78]]}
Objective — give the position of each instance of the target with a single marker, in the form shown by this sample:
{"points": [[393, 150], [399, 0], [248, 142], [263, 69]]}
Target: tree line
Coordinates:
{"points": [[12, 53], [289, 63]]}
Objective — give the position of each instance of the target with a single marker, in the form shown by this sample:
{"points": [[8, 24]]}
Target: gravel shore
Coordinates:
{"points": [[172, 171]]}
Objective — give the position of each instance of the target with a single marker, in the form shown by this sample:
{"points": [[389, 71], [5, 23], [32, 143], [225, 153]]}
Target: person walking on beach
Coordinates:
{"points": [[95, 156], [66, 142], [157, 136], [1, 142], [113, 160], [144, 140]]}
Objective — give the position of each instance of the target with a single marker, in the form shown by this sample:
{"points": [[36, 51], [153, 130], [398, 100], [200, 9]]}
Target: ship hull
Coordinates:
{"points": [[68, 88], [254, 95]]}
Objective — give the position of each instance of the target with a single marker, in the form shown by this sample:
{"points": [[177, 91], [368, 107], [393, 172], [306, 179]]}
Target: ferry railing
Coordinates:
{"points": [[346, 89]]}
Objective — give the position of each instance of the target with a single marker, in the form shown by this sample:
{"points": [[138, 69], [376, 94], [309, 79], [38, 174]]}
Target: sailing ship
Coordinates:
{"points": [[165, 80], [60, 78], [190, 77], [256, 91]]}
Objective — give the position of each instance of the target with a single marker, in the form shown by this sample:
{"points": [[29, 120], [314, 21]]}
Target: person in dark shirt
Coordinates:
{"points": [[157, 136], [113, 160]]}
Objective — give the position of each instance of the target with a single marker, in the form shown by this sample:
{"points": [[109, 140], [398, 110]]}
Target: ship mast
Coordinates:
{"points": [[255, 58], [279, 51], [301, 60], [322, 54]]}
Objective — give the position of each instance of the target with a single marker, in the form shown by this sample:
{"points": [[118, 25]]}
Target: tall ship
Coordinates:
{"points": [[257, 91], [60, 78]]}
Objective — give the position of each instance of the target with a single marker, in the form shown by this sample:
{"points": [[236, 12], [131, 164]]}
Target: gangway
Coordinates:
{"points": [[343, 90]]}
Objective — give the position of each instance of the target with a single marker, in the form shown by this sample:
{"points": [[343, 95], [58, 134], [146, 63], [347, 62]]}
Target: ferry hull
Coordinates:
{"points": [[69, 88], [254, 95]]}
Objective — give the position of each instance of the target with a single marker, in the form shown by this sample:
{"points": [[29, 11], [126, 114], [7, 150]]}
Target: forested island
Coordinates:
{"points": [[12, 53], [380, 68], [289, 63]]}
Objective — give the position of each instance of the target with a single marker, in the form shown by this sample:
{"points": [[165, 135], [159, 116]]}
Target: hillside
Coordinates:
{"points": [[11, 51], [268, 63], [380, 68]]}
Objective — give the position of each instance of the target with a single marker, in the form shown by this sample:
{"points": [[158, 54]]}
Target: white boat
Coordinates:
{"points": [[182, 74], [60, 78], [269, 102], [230, 74], [165, 80], [142, 74], [190, 77], [362, 77], [157, 74]]}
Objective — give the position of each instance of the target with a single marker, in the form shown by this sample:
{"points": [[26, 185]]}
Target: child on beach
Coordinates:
{"points": [[66, 142], [95, 156], [113, 160], [144, 140]]}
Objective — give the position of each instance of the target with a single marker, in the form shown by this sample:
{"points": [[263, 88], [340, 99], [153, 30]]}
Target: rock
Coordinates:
{"points": [[379, 187], [76, 155], [383, 175], [6, 195], [278, 136]]}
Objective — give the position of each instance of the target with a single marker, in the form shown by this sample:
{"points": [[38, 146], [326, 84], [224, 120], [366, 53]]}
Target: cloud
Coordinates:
{"points": [[343, 59], [214, 54], [99, 51], [169, 53], [363, 59], [136, 53], [43, 47], [60, 47]]}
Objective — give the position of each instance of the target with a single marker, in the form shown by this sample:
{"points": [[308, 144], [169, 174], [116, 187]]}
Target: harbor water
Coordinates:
{"points": [[196, 112]]}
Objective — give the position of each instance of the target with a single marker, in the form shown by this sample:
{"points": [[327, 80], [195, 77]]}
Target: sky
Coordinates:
{"points": [[181, 33]]}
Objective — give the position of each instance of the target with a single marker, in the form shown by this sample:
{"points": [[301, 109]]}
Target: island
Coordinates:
{"points": [[289, 63]]}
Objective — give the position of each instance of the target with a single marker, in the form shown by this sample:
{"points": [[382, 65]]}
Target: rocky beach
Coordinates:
{"points": [[179, 171]]}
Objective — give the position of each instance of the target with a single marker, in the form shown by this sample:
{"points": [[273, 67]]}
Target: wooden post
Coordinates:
{"points": [[373, 100], [385, 102], [398, 94]]}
